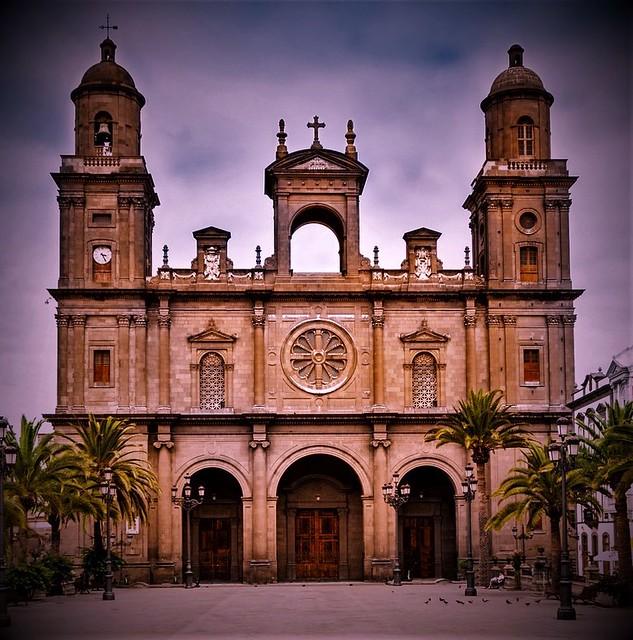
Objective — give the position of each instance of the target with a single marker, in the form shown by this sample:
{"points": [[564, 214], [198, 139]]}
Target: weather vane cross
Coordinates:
{"points": [[316, 125], [107, 26]]}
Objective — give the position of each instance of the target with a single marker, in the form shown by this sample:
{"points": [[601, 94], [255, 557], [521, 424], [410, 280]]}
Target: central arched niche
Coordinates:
{"points": [[319, 521], [314, 243], [426, 526], [216, 528]]}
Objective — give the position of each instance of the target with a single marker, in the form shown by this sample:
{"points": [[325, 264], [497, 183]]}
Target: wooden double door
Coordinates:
{"points": [[418, 552], [317, 544], [215, 548]]}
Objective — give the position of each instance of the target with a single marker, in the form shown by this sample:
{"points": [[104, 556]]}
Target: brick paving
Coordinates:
{"points": [[353, 611]]}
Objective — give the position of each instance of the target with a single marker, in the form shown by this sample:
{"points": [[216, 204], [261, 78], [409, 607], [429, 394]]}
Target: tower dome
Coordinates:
{"points": [[517, 113], [107, 108]]}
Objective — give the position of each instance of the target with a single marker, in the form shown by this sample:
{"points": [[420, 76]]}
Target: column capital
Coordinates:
{"points": [[470, 321], [164, 321], [123, 320], [124, 201], [386, 443], [168, 444], [509, 320], [553, 320], [79, 320], [62, 320], [378, 321], [569, 319], [140, 320], [494, 320], [258, 320]]}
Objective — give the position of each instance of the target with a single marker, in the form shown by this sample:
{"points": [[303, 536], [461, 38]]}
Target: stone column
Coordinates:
{"points": [[137, 232], [64, 240], [79, 345], [77, 250], [496, 362], [378, 324], [568, 345], [507, 224], [259, 364], [125, 250], [260, 563], [124, 362], [470, 322], [62, 361], [163, 571], [164, 322], [511, 358], [140, 324], [381, 562], [555, 361]]}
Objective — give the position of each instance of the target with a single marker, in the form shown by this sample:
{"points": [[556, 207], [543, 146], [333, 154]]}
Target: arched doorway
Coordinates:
{"points": [[319, 521], [216, 528], [426, 526]]}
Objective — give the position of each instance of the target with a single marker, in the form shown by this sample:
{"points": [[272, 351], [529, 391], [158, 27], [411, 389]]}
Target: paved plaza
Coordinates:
{"points": [[341, 610]]}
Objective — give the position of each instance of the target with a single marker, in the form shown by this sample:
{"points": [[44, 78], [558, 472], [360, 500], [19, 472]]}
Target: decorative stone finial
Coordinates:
{"points": [[316, 125], [376, 250], [466, 257], [258, 254], [350, 136], [515, 54], [282, 150], [165, 256]]}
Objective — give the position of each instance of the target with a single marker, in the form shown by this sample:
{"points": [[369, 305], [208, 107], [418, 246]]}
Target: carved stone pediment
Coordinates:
{"points": [[213, 335], [424, 335], [317, 164]]}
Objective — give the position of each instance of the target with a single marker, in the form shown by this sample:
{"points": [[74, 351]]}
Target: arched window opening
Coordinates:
{"points": [[211, 382], [424, 381], [315, 249], [103, 133], [525, 136], [528, 264], [606, 543]]}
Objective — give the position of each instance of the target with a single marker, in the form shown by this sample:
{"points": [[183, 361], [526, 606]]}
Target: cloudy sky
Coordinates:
{"points": [[218, 76]]}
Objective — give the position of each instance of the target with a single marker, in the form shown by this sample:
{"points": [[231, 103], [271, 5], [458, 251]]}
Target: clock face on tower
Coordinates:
{"points": [[102, 255]]}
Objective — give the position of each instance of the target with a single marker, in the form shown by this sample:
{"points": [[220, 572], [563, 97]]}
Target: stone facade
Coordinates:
{"points": [[294, 397]]}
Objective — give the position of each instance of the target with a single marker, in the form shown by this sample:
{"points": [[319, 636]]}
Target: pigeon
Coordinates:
{"points": [[460, 601], [517, 599], [470, 602], [527, 604], [508, 601], [427, 602], [484, 600]]}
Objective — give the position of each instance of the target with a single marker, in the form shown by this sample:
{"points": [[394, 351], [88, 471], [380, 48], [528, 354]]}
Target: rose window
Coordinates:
{"points": [[318, 356]]}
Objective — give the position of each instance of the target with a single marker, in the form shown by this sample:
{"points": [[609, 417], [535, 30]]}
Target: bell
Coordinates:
{"points": [[103, 134], [103, 128]]}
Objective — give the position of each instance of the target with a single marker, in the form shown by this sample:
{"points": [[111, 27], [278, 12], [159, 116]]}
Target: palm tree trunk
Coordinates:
{"points": [[56, 534], [622, 535], [98, 537], [555, 552], [485, 536]]}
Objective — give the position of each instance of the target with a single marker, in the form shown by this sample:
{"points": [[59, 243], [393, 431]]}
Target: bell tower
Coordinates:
{"points": [[316, 185], [106, 195], [520, 200]]}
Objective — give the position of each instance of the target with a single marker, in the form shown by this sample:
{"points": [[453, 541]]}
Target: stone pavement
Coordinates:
{"points": [[353, 611]]}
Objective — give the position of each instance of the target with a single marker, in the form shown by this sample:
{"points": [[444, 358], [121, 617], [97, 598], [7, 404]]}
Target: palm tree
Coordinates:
{"points": [[481, 424], [535, 491], [610, 442], [109, 443], [40, 474]]}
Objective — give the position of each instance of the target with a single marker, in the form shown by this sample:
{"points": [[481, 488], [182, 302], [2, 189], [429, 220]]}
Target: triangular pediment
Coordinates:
{"points": [[615, 368], [212, 335], [318, 163], [421, 233], [424, 334]]}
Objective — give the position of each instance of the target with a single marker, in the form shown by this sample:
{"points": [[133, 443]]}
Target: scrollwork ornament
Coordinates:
{"points": [[386, 443], [264, 444]]}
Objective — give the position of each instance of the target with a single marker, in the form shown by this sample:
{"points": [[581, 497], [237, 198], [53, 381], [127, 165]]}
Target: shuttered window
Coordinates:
{"points": [[531, 365], [101, 367], [529, 264]]}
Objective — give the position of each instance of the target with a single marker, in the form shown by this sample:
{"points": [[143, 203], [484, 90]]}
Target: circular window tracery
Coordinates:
{"points": [[318, 356], [528, 222]]}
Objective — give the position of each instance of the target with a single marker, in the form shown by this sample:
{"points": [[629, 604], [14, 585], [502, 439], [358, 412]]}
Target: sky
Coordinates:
{"points": [[217, 77]]}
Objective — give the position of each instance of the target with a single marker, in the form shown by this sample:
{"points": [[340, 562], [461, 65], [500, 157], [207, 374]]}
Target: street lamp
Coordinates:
{"points": [[187, 503], [523, 536], [8, 455], [395, 495], [469, 486], [107, 489], [562, 453]]}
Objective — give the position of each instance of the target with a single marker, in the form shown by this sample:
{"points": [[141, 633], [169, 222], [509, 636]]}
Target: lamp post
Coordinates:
{"points": [[107, 488], [523, 536], [562, 453], [395, 495], [8, 455], [187, 503], [469, 486]]}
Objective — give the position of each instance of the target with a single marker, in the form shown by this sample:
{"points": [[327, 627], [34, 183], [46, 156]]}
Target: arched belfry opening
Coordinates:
{"points": [[216, 528], [426, 526], [317, 241], [319, 521]]}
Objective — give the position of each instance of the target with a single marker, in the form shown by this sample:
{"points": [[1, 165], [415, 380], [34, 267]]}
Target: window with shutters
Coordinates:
{"points": [[424, 381], [528, 264], [525, 136], [532, 366], [211, 382], [101, 367]]}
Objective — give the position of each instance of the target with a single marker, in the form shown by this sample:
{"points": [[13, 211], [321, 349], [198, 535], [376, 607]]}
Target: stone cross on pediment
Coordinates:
{"points": [[316, 125]]}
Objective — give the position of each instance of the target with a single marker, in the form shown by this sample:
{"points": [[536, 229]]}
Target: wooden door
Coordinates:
{"points": [[215, 549], [418, 549], [316, 544]]}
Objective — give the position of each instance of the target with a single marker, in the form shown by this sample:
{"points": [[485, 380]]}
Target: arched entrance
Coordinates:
{"points": [[426, 526], [216, 528], [319, 521]]}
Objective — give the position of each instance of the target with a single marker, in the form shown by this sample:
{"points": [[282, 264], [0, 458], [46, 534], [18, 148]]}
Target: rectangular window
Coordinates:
{"points": [[101, 367], [525, 139], [101, 219], [531, 366], [528, 264]]}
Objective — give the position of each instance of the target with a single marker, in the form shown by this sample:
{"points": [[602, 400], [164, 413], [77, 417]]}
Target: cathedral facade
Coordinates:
{"points": [[293, 397]]}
